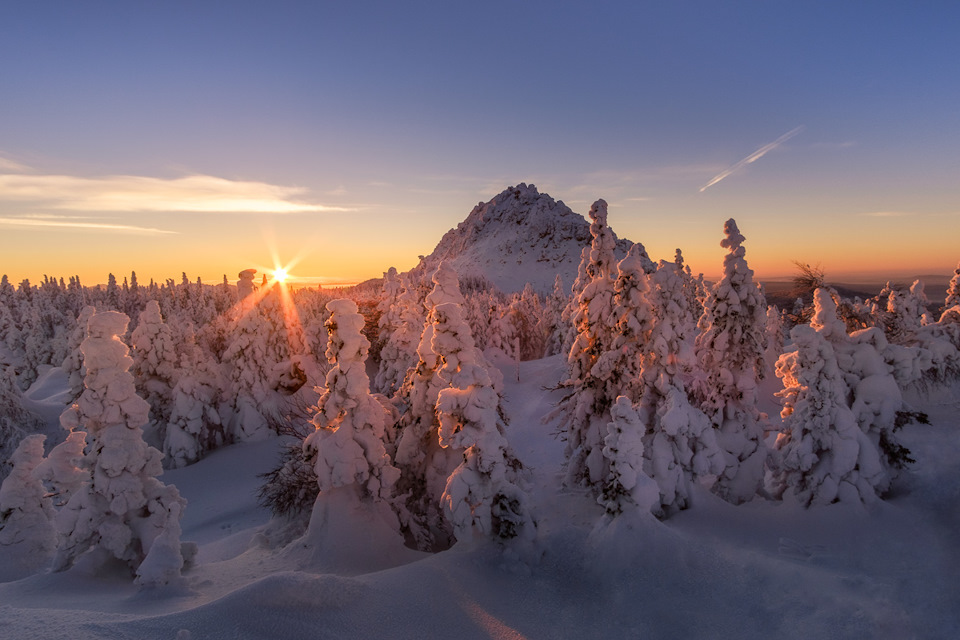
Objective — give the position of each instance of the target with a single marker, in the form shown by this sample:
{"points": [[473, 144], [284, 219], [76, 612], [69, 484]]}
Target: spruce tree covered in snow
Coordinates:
{"points": [[195, 425], [155, 367], [482, 495], [15, 420], [953, 291], [775, 337], [873, 373], [680, 444], [573, 301], [64, 470], [389, 321], [348, 445], [26, 513], [123, 511], [634, 316], [627, 485], [587, 407], [402, 321], [553, 315], [354, 473], [526, 314], [73, 363], [423, 463], [731, 353], [824, 456], [250, 370], [905, 313]]}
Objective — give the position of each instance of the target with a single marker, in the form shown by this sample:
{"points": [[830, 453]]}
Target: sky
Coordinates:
{"points": [[342, 138]]}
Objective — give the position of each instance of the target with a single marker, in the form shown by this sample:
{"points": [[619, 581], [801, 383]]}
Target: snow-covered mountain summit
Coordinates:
{"points": [[519, 236]]}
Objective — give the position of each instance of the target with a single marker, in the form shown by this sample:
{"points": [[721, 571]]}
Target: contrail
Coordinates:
{"points": [[753, 157], [22, 222]]}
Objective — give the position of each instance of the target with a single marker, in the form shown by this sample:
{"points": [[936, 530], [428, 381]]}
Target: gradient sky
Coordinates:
{"points": [[209, 137]]}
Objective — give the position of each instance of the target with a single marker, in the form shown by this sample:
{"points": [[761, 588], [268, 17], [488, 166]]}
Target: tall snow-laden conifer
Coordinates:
{"points": [[354, 474], [557, 328], [155, 367], [15, 420], [347, 447], [680, 444], [634, 317], [424, 464], [482, 495], [124, 509], [587, 407], [387, 381], [731, 353], [953, 291], [399, 352], [26, 512], [627, 485], [73, 363], [873, 372], [195, 425], [64, 470]]}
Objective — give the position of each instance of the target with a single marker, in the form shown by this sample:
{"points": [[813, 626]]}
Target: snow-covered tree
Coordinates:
{"points": [[873, 372], [73, 363], [482, 495], [731, 353], [64, 470], [15, 420], [424, 464], [348, 444], [195, 425], [587, 407], [26, 513], [627, 486], [402, 323], [824, 455], [249, 364], [953, 291], [526, 314], [775, 337], [124, 509], [354, 473], [905, 313], [573, 304], [553, 315], [155, 366], [634, 317], [680, 442]]}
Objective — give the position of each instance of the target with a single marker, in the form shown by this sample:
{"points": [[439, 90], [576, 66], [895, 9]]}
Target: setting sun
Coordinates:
{"points": [[280, 275]]}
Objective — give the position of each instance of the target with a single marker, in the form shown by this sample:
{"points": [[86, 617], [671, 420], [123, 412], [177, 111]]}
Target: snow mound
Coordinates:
{"points": [[519, 236]]}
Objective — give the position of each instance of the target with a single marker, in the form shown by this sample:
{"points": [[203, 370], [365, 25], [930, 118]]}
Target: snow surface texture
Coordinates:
{"points": [[520, 236], [758, 571]]}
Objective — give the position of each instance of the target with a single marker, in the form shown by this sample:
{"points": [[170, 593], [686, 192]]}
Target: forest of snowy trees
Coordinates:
{"points": [[391, 406]]}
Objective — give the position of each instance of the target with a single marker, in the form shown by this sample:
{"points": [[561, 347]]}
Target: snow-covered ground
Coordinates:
{"points": [[760, 570]]}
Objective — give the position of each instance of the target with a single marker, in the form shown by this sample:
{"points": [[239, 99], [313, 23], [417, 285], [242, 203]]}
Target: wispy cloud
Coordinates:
{"points": [[753, 157], [6, 164], [196, 193], [63, 223]]}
